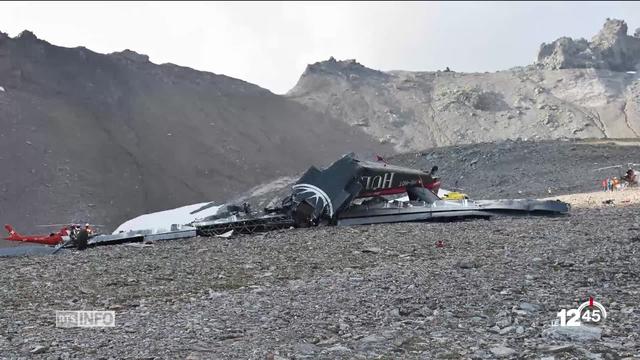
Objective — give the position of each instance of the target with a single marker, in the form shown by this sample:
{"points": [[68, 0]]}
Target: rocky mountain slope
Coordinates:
{"points": [[102, 138], [557, 97]]}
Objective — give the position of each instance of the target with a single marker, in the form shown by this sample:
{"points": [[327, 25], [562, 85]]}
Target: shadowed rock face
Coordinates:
{"points": [[103, 138], [610, 49]]}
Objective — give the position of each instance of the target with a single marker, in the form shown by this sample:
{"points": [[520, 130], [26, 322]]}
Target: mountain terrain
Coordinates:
{"points": [[85, 134], [575, 89], [104, 138]]}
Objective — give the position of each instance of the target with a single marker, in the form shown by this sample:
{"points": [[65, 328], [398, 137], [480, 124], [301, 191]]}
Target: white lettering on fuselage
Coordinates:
{"points": [[377, 182]]}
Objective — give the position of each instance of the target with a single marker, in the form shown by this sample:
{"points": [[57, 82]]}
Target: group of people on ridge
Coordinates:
{"points": [[615, 184], [611, 184]]}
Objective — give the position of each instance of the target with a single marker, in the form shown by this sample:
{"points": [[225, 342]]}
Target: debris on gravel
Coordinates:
{"points": [[379, 291]]}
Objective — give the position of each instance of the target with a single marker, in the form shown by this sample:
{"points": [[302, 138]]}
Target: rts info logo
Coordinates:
{"points": [[591, 312]]}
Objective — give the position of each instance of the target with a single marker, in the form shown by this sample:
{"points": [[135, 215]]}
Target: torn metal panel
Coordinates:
{"points": [[172, 235], [524, 206], [445, 209], [144, 235], [419, 193], [326, 193], [246, 225]]}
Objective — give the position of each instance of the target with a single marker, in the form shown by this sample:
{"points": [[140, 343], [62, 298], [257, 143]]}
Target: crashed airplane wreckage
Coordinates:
{"points": [[355, 192], [349, 192]]}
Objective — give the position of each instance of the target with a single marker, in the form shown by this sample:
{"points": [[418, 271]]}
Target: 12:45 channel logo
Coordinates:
{"points": [[591, 312]]}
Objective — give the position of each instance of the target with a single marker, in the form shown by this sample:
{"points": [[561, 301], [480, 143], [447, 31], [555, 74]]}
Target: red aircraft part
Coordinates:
{"points": [[51, 239]]}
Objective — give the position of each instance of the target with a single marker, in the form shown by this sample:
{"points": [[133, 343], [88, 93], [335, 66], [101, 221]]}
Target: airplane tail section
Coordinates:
{"points": [[12, 233]]}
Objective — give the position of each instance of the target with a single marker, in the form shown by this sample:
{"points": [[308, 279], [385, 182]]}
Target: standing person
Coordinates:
{"points": [[83, 237], [631, 177], [604, 185], [616, 183]]}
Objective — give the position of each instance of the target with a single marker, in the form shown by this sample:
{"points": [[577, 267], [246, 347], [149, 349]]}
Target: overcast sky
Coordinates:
{"points": [[270, 44]]}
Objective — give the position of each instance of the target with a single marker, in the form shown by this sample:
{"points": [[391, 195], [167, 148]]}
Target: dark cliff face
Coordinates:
{"points": [[102, 138]]}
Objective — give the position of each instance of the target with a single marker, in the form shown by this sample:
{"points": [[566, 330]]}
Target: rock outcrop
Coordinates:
{"points": [[576, 89], [417, 110], [133, 56], [610, 49]]}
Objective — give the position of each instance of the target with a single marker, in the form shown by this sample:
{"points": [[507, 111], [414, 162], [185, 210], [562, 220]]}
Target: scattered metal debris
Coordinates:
{"points": [[355, 192]]}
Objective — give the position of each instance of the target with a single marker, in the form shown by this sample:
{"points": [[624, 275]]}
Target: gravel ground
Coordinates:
{"points": [[380, 291], [600, 199]]}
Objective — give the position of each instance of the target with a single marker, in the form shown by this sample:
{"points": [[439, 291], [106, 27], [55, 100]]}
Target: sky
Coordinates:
{"points": [[271, 43]]}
